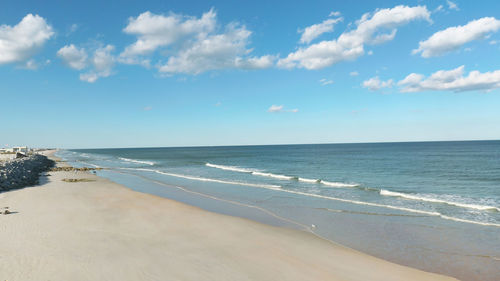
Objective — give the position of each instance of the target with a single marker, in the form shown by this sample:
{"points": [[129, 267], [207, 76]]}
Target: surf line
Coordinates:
{"points": [[433, 214], [220, 199]]}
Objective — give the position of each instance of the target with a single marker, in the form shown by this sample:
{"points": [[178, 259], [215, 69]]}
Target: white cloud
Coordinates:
{"points": [[454, 37], [18, 43], [375, 84], [73, 57], [493, 42], [90, 77], [280, 108], [216, 51], [102, 62], [354, 73], [372, 28], [334, 14], [254, 62], [72, 29], [325, 82], [452, 6], [31, 65], [440, 8], [451, 80], [192, 45], [154, 31], [275, 108], [99, 65], [314, 31]]}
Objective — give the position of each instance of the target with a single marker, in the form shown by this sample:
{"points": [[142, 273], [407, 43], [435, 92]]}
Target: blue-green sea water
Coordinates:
{"points": [[430, 205]]}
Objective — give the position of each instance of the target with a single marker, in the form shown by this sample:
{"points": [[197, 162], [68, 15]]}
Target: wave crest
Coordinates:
{"points": [[136, 161], [280, 177], [436, 200]]}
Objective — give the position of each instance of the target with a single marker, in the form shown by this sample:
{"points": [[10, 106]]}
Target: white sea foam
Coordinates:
{"points": [[137, 161], [469, 221], [309, 180], [280, 177], [229, 168], [268, 186], [278, 188], [338, 184], [270, 175], [436, 200]]}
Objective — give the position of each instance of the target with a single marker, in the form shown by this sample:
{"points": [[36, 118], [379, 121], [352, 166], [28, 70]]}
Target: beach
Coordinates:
{"points": [[94, 229]]}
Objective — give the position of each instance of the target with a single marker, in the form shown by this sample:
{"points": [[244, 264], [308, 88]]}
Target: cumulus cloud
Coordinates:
{"points": [[375, 84], [73, 57], [19, 42], [372, 28], [451, 80], [280, 108], [99, 65], [454, 37], [154, 31], [102, 62], [354, 73], [314, 31], [192, 45]]}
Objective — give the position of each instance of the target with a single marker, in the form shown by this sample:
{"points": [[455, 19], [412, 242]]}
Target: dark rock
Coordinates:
{"points": [[23, 172]]}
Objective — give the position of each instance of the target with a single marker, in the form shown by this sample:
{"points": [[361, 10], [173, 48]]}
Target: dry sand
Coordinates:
{"points": [[99, 230]]}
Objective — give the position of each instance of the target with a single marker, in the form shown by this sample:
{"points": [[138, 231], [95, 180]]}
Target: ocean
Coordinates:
{"points": [[430, 205]]}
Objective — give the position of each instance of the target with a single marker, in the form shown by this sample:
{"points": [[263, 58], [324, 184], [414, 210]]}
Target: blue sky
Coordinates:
{"points": [[183, 73]]}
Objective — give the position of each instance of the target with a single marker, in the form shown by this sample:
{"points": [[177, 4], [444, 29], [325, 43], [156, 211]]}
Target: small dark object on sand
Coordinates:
{"points": [[6, 212], [78, 180]]}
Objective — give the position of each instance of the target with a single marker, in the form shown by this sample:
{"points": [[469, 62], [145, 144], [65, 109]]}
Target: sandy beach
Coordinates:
{"points": [[98, 230]]}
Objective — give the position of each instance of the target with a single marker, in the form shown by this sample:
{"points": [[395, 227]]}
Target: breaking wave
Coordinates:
{"points": [[356, 202], [280, 177], [269, 186], [436, 200], [136, 161]]}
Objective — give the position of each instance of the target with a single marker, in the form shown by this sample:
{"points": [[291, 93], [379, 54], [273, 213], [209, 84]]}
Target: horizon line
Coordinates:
{"points": [[283, 144]]}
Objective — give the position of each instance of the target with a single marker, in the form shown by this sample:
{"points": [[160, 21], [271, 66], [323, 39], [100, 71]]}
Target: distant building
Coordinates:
{"points": [[20, 149], [6, 150]]}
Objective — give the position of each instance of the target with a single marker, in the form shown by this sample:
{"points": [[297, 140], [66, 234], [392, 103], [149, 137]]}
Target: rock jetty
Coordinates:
{"points": [[23, 172]]}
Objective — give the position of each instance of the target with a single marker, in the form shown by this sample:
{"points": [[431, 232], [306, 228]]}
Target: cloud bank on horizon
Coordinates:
{"points": [[180, 44]]}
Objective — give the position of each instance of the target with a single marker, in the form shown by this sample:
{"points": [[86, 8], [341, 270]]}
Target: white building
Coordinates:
{"points": [[20, 149]]}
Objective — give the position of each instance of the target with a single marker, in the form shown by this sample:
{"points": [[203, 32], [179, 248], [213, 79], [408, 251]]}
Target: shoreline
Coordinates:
{"points": [[97, 229]]}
